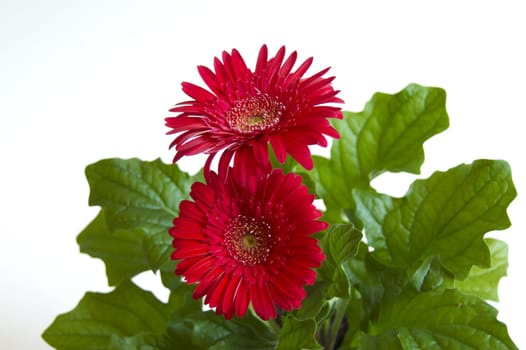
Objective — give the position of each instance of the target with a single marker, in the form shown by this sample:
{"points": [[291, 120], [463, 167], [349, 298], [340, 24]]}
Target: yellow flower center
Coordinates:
{"points": [[248, 240], [255, 113]]}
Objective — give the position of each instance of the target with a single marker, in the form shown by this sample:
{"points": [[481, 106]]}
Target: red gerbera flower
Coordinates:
{"points": [[245, 110], [247, 239]]}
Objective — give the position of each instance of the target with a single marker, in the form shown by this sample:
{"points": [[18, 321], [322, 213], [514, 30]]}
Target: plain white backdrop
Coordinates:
{"points": [[85, 80]]}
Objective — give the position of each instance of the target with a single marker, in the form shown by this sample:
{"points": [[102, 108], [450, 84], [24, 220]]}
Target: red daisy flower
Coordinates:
{"points": [[245, 110], [247, 240]]}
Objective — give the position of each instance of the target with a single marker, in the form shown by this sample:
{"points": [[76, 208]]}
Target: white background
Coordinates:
{"points": [[85, 80]]}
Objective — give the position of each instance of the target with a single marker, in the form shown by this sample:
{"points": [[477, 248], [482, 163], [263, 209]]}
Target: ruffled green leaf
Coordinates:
{"points": [[484, 282], [125, 252], [388, 135], [297, 334], [180, 292], [206, 330], [139, 201], [339, 244], [437, 320], [137, 194], [121, 251], [138, 342], [445, 216], [372, 284], [102, 321], [313, 303]]}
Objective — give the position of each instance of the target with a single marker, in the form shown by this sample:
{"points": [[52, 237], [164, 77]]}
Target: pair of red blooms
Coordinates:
{"points": [[246, 235]]}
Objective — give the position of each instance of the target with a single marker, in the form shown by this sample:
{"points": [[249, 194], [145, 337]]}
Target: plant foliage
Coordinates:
{"points": [[400, 273]]}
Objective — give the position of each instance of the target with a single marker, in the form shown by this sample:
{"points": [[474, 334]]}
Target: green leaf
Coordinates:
{"points": [[432, 275], [138, 342], [139, 201], [373, 284], [103, 319], [388, 135], [390, 131], [372, 209], [137, 194], [445, 215], [180, 292], [409, 342], [367, 288], [297, 334], [484, 282], [246, 333], [206, 330], [125, 252], [339, 244], [290, 165], [157, 248], [313, 302], [121, 251], [438, 320]]}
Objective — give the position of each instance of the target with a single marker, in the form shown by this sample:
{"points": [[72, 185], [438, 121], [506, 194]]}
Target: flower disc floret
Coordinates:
{"points": [[248, 240], [255, 114]]}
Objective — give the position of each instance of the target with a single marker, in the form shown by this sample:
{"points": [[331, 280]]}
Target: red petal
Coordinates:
{"points": [[289, 63], [195, 272], [274, 65], [221, 74], [229, 68], [203, 194], [194, 146], [310, 227], [305, 82], [184, 123], [242, 299], [185, 137], [246, 170], [206, 169], [300, 71], [198, 93], [307, 135], [211, 278], [260, 150], [224, 163], [288, 296], [218, 292], [229, 313], [279, 147], [308, 260], [186, 229], [231, 294], [183, 265], [262, 61], [210, 79], [262, 301], [302, 242], [185, 250], [301, 153], [240, 67], [307, 275], [191, 210]]}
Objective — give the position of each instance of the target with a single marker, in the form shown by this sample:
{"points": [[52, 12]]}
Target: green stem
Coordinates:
{"points": [[340, 308], [273, 325]]}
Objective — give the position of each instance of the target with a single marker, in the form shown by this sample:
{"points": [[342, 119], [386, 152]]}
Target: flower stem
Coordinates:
{"points": [[336, 323], [273, 325]]}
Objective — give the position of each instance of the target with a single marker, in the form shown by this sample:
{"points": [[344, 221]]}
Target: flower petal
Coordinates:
{"points": [[262, 301]]}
